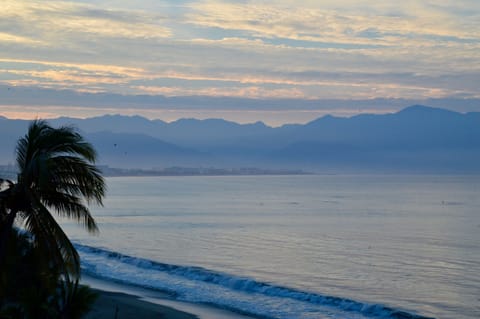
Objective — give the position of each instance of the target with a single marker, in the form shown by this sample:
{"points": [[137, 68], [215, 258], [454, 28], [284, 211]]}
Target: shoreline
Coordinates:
{"points": [[135, 302], [120, 305]]}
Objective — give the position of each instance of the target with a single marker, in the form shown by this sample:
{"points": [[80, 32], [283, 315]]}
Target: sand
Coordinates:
{"points": [[136, 302], [117, 305]]}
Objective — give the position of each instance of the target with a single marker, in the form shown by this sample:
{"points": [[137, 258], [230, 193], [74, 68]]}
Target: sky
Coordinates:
{"points": [[274, 61]]}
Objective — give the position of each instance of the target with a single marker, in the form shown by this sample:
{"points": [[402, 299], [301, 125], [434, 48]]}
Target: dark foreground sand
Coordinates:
{"points": [[117, 305]]}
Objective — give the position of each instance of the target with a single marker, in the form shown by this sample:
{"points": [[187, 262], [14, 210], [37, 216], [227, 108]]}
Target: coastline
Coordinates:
{"points": [[120, 305], [135, 302]]}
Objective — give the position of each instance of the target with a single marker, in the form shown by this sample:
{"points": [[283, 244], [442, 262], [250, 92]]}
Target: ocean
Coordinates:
{"points": [[306, 246]]}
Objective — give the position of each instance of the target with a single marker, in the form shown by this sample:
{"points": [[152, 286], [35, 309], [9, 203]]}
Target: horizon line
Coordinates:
{"points": [[368, 112]]}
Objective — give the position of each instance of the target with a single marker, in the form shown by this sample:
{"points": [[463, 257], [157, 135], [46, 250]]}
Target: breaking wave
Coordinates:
{"points": [[241, 294]]}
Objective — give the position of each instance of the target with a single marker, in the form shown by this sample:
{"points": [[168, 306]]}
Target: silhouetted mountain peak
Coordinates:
{"points": [[213, 121], [120, 117], [418, 137], [422, 109], [324, 119], [259, 124]]}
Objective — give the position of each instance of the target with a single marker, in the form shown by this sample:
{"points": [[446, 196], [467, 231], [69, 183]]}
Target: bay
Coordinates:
{"points": [[407, 242]]}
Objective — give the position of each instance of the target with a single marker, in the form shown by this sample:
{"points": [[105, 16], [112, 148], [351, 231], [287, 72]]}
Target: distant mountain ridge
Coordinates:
{"points": [[417, 138]]}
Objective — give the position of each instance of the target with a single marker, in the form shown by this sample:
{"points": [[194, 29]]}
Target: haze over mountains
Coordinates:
{"points": [[416, 139]]}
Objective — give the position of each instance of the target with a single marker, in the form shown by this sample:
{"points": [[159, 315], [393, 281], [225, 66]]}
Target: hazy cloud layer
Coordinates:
{"points": [[309, 50]]}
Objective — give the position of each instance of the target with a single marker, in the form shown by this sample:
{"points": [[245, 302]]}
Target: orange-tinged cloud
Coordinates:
{"points": [[323, 23], [69, 17], [244, 92], [267, 49], [8, 37]]}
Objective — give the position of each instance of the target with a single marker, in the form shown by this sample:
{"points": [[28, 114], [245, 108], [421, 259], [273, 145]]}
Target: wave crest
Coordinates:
{"points": [[243, 285]]}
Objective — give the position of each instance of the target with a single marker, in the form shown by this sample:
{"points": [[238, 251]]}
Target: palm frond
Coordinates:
{"points": [[51, 239], [57, 171], [28, 146], [77, 177], [67, 140], [70, 206], [48, 156]]}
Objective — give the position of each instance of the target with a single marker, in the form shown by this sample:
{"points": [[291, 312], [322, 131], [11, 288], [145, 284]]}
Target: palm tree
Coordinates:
{"points": [[56, 172], [32, 287]]}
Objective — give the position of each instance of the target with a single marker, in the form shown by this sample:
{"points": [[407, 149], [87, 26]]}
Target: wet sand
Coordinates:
{"points": [[118, 305], [135, 302]]}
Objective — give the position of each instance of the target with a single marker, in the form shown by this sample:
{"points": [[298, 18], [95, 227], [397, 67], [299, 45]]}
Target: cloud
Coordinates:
{"points": [[15, 39], [82, 77], [252, 92], [342, 49], [325, 22], [60, 23]]}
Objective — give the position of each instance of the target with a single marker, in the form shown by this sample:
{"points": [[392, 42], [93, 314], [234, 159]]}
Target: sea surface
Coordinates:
{"points": [[309, 246]]}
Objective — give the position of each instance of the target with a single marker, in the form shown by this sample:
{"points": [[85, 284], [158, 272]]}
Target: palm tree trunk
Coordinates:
{"points": [[5, 234]]}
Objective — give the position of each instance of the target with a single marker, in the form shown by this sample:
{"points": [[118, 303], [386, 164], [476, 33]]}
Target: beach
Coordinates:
{"points": [[121, 301], [123, 306]]}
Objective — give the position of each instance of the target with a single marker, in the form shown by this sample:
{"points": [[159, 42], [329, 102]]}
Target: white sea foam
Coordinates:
{"points": [[245, 295]]}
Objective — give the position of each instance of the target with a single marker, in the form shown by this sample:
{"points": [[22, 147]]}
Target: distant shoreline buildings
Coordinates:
{"points": [[197, 171], [9, 171]]}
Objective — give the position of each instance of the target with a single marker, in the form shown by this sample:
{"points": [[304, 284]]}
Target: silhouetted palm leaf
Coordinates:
{"points": [[56, 172]]}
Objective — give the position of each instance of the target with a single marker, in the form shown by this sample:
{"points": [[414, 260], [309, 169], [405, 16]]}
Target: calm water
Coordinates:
{"points": [[296, 246]]}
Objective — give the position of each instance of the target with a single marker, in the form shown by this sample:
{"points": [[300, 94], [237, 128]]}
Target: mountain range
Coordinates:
{"points": [[416, 139]]}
